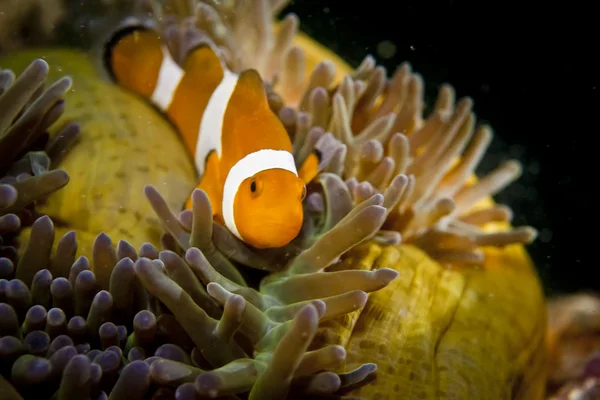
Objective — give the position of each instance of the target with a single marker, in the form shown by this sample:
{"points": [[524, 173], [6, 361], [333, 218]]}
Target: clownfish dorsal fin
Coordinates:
{"points": [[202, 57], [251, 89], [133, 57]]}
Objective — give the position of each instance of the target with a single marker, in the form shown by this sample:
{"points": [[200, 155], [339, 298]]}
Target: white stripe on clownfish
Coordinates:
{"points": [[169, 77], [211, 125]]}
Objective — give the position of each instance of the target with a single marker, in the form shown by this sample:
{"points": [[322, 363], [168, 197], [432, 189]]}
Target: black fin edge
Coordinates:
{"points": [[114, 40], [319, 154]]}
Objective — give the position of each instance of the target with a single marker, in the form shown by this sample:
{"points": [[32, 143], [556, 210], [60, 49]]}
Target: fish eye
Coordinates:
{"points": [[256, 187]]}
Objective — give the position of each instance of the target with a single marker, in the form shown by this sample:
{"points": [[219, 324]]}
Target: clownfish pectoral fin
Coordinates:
{"points": [[310, 167], [138, 60]]}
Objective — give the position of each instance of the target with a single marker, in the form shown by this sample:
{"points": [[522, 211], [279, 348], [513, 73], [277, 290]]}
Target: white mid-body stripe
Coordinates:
{"points": [[211, 125], [247, 167], [169, 76]]}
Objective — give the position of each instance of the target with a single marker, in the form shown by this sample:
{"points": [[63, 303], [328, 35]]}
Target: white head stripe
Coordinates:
{"points": [[211, 126], [169, 76], [249, 166]]}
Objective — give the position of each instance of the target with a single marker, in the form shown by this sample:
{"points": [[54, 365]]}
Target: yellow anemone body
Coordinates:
{"points": [[440, 333], [434, 332]]}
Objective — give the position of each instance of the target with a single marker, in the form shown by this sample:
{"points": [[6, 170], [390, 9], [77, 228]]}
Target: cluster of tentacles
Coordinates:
{"points": [[104, 327], [27, 158]]}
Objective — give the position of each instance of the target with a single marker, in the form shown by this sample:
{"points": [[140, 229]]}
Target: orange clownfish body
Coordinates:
{"points": [[242, 151]]}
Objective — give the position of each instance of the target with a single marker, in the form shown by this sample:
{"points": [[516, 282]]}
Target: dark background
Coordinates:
{"points": [[533, 75]]}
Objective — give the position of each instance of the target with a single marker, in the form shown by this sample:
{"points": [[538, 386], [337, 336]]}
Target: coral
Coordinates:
{"points": [[574, 342], [585, 380], [589, 389]]}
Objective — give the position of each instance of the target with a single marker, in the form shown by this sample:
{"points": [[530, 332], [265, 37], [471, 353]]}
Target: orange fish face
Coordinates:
{"points": [[268, 208]]}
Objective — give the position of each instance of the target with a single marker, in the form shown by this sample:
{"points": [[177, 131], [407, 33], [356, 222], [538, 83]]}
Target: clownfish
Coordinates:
{"points": [[242, 152]]}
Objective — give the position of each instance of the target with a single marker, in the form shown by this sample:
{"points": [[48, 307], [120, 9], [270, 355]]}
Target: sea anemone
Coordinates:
{"points": [[370, 129], [27, 158], [376, 276], [57, 305], [67, 331]]}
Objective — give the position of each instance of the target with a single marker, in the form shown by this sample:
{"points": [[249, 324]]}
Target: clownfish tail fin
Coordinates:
{"points": [[136, 58]]}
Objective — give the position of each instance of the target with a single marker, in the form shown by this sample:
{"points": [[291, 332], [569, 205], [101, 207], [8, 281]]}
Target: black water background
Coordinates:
{"points": [[533, 73]]}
